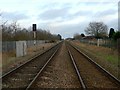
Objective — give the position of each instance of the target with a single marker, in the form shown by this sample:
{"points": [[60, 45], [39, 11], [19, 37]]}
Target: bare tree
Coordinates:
{"points": [[97, 29]]}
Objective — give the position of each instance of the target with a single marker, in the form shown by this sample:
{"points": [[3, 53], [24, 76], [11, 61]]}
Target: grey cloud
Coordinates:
{"points": [[106, 12], [113, 23], [49, 5], [96, 3], [63, 13], [54, 13], [14, 15], [83, 13]]}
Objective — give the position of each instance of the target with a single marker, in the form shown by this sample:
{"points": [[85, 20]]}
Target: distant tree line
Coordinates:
{"points": [[99, 31], [13, 32]]}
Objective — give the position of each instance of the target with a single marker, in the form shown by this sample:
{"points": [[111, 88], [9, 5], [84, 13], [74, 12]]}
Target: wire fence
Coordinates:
{"points": [[8, 46], [11, 45], [31, 42]]}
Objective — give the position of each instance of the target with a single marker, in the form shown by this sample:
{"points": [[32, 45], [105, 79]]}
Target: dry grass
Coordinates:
{"points": [[6, 57]]}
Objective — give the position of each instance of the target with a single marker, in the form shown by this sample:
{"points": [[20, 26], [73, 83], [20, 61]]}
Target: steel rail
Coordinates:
{"points": [[77, 70], [97, 65], [31, 59], [35, 78]]}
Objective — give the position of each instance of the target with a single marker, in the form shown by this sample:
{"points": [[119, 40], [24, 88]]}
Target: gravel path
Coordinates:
{"points": [[59, 73]]}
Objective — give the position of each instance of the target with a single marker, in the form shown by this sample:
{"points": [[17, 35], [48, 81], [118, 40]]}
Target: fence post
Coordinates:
{"points": [[118, 47], [98, 42]]}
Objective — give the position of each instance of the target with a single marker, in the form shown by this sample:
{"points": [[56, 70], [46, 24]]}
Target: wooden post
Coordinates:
{"points": [[118, 47]]}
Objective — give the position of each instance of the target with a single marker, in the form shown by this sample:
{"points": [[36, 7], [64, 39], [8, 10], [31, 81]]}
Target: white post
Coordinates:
{"points": [[35, 41], [98, 42], [34, 38], [20, 48]]}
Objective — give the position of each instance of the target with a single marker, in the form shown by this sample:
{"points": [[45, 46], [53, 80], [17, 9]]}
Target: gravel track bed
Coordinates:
{"points": [[59, 73], [22, 76], [92, 76]]}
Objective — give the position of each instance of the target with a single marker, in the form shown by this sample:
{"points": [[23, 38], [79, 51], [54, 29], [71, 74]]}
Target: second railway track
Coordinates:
{"points": [[92, 75]]}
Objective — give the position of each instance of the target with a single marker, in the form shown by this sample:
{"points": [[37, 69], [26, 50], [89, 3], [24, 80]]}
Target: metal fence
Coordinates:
{"points": [[31, 42], [8, 46], [11, 45]]}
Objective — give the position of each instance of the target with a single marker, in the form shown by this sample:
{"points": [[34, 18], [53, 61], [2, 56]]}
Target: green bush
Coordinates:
{"points": [[116, 35]]}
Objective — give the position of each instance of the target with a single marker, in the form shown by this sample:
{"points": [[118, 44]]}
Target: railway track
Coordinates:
{"points": [[62, 66], [25, 74], [91, 74]]}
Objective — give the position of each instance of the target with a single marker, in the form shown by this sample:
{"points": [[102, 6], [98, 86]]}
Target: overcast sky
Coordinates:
{"points": [[65, 17]]}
